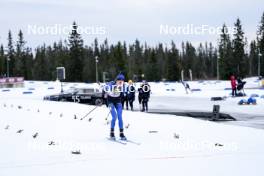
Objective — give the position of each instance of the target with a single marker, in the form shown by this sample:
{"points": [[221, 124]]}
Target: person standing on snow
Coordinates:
{"points": [[233, 85], [140, 93], [143, 95], [114, 91], [131, 94]]}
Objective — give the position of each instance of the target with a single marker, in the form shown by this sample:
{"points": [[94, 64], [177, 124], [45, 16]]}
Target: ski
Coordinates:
{"points": [[124, 142], [132, 142], [117, 141]]}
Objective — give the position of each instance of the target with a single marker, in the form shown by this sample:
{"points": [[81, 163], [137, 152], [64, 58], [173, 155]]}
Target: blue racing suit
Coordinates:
{"points": [[114, 99]]}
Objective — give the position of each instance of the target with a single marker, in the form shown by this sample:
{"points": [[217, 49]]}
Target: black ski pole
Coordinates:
{"points": [[108, 114], [89, 112]]}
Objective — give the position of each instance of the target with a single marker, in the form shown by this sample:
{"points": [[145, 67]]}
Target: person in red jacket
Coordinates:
{"points": [[234, 85]]}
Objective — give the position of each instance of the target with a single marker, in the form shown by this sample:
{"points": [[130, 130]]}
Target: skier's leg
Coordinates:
{"points": [[113, 113], [147, 106], [112, 133], [119, 115], [122, 136], [120, 121]]}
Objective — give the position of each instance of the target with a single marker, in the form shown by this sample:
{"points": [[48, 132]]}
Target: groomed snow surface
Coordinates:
{"points": [[44, 138]]}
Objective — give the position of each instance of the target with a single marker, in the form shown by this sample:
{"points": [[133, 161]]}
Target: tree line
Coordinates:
{"points": [[232, 55]]}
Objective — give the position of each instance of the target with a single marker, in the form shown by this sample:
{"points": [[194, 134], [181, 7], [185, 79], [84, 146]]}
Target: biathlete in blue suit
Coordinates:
{"points": [[114, 91]]}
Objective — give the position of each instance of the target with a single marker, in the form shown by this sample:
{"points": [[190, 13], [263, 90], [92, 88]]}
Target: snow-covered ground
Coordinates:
{"points": [[163, 144], [172, 98]]}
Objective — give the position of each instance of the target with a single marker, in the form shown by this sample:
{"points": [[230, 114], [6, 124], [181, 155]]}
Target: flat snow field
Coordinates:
{"points": [[49, 138]]}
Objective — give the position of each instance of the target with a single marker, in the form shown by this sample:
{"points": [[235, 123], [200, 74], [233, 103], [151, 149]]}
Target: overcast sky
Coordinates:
{"points": [[127, 20]]}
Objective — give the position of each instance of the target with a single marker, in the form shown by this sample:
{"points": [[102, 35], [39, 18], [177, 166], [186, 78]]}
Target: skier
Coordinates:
{"points": [[131, 94], [143, 95], [114, 91], [233, 85]]}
